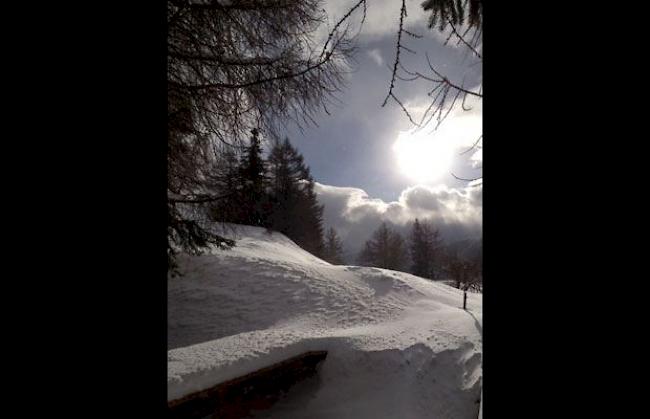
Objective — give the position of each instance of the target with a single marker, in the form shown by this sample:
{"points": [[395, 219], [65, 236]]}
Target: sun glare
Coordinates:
{"points": [[423, 157]]}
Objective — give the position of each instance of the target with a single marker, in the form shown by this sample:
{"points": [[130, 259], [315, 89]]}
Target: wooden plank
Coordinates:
{"points": [[258, 390]]}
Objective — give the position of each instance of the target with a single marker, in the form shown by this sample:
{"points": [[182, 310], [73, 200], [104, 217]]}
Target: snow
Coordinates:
{"points": [[398, 345]]}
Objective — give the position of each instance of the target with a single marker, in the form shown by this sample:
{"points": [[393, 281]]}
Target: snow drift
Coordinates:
{"points": [[398, 345]]}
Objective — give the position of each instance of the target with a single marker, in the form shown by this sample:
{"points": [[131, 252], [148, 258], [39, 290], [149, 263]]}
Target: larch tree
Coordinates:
{"points": [[296, 211], [253, 199], [424, 247], [385, 249], [333, 249]]}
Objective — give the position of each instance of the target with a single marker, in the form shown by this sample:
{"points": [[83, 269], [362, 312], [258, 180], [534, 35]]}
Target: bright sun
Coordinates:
{"points": [[422, 156]]}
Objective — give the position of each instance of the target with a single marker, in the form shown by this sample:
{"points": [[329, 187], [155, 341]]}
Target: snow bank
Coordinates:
{"points": [[399, 345]]}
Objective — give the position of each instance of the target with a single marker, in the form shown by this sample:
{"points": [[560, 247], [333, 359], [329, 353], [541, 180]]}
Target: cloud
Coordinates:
{"points": [[456, 212], [382, 16], [422, 199]]}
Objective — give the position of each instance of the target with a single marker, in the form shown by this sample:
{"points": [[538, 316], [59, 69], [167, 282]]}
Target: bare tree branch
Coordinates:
{"points": [[443, 79], [397, 53], [473, 146], [462, 39], [466, 179], [253, 82]]}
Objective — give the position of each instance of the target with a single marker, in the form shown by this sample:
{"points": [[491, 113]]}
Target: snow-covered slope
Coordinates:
{"points": [[398, 345]]}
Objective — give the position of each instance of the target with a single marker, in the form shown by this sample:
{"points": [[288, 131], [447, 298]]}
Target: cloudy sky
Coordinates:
{"points": [[369, 165]]}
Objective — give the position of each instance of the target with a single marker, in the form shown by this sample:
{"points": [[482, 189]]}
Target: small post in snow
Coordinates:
{"points": [[465, 299]]}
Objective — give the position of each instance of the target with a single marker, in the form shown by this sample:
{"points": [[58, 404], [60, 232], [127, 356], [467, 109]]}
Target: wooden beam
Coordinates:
{"points": [[235, 398]]}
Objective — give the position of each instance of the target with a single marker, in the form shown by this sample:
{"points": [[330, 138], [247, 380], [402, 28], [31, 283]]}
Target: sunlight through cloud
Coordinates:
{"points": [[423, 157]]}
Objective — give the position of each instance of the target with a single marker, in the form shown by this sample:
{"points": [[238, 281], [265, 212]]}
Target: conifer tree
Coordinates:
{"points": [[227, 180], [385, 249], [333, 250], [424, 248], [296, 211], [253, 198]]}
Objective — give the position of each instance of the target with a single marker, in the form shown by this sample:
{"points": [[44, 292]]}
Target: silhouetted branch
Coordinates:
{"points": [[235, 61], [341, 21], [253, 82], [473, 146], [397, 53], [466, 179], [445, 80], [408, 114], [461, 38]]}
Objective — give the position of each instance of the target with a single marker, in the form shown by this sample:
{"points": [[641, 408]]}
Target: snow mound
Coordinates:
{"points": [[398, 345]]}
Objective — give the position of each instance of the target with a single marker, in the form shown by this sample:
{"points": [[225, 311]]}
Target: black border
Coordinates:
{"points": [[90, 209], [92, 215]]}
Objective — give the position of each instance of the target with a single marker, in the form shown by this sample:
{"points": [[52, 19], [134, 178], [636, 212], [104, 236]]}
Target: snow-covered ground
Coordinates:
{"points": [[399, 346]]}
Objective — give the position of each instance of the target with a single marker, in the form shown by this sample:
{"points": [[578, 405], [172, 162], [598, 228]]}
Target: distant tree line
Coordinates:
{"points": [[276, 193], [423, 253]]}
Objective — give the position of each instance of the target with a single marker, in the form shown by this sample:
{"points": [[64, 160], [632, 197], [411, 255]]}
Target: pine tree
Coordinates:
{"points": [[455, 12], [286, 169], [385, 249], [333, 250], [296, 211], [252, 174], [434, 247], [418, 252], [227, 180], [310, 235], [424, 247]]}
